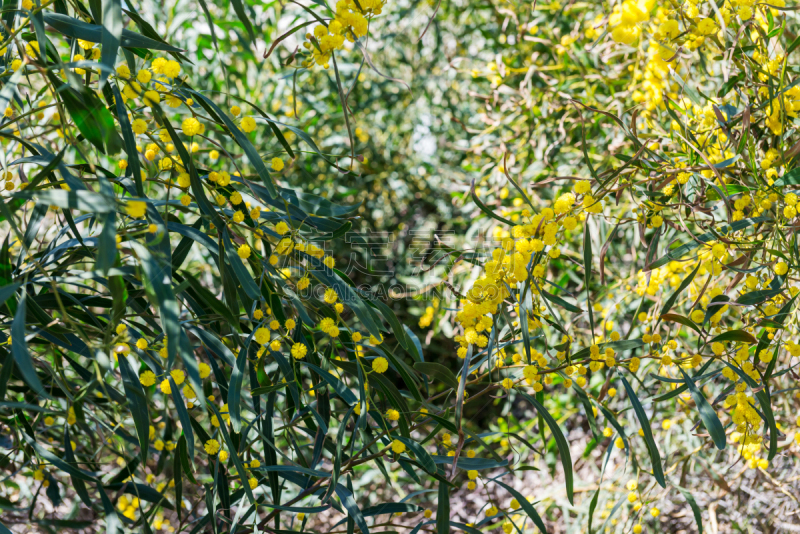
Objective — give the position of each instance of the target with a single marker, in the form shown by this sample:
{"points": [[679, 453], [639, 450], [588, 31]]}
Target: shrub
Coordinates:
{"points": [[184, 351]]}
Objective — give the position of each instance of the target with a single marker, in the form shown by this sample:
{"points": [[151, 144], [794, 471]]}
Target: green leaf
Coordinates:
{"points": [[185, 461], [77, 483], [592, 508], [183, 415], [391, 508], [91, 116], [148, 31], [58, 462], [34, 223], [757, 297], [297, 131], [237, 461], [707, 413], [235, 387], [684, 284], [263, 390], [78, 29], [113, 522], [337, 460], [680, 319], [9, 90], [239, 9], [587, 407], [486, 210], [157, 280], [216, 346], [138, 403], [443, 511], [7, 291], [134, 169], [523, 502], [405, 371], [294, 469], [437, 370], [424, 459], [655, 457], [561, 302], [110, 36], [106, 243], [177, 478], [470, 464], [792, 177], [561, 442], [587, 273], [74, 200], [338, 386], [295, 509], [734, 335], [316, 205], [353, 511], [698, 516], [446, 423], [391, 318], [242, 274], [19, 349], [764, 341]]}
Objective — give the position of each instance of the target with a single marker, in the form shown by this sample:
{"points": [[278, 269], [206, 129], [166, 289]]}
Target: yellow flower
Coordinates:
{"points": [[136, 208], [151, 98], [178, 376], [398, 447], [212, 447], [380, 365], [277, 164], [147, 378], [330, 296], [248, 124], [190, 126], [205, 370], [244, 252], [166, 389], [299, 351], [262, 336]]}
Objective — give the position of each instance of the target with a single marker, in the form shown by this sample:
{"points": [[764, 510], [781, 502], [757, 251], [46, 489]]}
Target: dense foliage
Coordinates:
{"points": [[377, 266]]}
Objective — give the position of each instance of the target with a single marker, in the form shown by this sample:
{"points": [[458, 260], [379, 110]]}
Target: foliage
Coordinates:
{"points": [[597, 218]]}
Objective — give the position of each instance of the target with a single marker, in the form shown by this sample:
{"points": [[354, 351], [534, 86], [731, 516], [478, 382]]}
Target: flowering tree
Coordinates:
{"points": [[182, 349]]}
